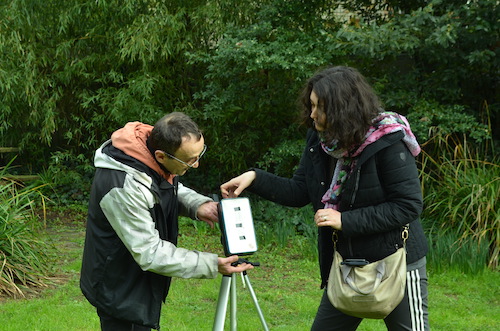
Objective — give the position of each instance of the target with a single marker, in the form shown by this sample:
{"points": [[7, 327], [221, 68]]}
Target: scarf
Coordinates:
{"points": [[385, 123]]}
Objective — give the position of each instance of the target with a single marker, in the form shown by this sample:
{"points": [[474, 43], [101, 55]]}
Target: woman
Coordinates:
{"points": [[359, 173]]}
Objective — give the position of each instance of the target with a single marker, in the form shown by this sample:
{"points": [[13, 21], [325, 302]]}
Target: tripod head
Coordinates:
{"points": [[241, 261]]}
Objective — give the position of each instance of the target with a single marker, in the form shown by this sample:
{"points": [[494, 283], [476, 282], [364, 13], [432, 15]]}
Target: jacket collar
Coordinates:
{"points": [[383, 142]]}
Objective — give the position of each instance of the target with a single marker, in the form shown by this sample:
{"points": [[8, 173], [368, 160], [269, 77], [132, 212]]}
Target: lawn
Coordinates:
{"points": [[286, 285]]}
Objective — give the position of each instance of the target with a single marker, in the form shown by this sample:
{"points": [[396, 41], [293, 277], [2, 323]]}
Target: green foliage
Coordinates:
{"points": [[429, 119], [23, 256], [444, 52], [253, 78], [73, 72], [283, 159], [68, 178], [418, 58], [379, 11]]}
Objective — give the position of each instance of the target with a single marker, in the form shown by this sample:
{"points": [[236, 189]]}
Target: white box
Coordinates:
{"points": [[236, 222]]}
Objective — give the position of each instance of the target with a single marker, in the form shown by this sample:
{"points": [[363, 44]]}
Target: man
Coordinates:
{"points": [[130, 251]]}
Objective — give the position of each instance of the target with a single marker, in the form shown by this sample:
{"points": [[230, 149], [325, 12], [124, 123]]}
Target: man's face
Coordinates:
{"points": [[187, 156]]}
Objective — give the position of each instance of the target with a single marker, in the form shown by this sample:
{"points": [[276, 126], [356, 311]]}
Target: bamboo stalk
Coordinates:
{"points": [[9, 149]]}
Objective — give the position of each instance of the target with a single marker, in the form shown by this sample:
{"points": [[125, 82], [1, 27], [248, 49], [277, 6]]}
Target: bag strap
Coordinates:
{"points": [[347, 278], [404, 234]]}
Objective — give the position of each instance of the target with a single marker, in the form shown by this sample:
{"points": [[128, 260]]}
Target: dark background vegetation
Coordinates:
{"points": [[73, 71]]}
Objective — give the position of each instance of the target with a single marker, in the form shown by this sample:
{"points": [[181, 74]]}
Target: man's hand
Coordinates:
{"points": [[234, 187], [208, 213], [226, 268]]}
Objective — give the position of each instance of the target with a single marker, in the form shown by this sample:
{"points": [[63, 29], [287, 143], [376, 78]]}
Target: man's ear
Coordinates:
{"points": [[160, 156]]}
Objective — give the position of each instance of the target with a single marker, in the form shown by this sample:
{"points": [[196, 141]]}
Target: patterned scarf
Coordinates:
{"points": [[385, 123]]}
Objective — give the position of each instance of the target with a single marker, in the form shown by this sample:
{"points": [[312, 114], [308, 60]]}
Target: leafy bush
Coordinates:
{"points": [[439, 50], [24, 259], [253, 78], [74, 71], [68, 179], [283, 159], [441, 55], [429, 119]]}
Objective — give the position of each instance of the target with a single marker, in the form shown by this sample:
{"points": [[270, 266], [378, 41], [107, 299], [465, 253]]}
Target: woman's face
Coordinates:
{"points": [[317, 113]]}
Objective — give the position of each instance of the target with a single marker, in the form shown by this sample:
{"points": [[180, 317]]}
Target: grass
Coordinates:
{"points": [[286, 285]]}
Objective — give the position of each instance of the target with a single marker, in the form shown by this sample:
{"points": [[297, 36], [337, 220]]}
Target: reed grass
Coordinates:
{"points": [[461, 193], [23, 256]]}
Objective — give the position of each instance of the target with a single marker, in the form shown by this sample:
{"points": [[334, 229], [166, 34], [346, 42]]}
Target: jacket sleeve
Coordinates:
{"points": [[190, 201], [127, 210], [398, 179], [291, 192]]}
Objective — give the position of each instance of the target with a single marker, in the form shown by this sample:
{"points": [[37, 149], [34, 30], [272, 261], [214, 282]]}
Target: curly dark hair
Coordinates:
{"points": [[168, 132], [347, 99]]}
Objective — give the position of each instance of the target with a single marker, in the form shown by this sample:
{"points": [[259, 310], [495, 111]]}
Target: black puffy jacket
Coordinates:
{"points": [[380, 196]]}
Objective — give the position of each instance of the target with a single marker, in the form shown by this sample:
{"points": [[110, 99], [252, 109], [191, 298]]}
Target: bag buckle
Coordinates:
{"points": [[405, 233], [335, 238]]}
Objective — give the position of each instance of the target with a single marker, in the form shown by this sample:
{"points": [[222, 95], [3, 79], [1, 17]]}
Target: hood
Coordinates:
{"points": [[131, 139]]}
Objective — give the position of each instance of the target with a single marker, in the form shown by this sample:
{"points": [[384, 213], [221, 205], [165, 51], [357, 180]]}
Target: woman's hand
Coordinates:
{"points": [[234, 187], [328, 217]]}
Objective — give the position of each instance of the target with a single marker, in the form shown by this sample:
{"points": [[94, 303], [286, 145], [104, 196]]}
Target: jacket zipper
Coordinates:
{"points": [[356, 187]]}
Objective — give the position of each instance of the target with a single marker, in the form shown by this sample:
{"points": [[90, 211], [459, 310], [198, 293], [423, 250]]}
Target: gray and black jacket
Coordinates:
{"points": [[130, 251]]}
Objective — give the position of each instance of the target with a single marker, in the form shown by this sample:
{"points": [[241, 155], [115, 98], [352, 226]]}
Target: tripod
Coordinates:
{"points": [[228, 286]]}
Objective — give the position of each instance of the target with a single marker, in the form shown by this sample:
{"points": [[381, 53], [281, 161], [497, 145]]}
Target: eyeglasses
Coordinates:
{"points": [[190, 165]]}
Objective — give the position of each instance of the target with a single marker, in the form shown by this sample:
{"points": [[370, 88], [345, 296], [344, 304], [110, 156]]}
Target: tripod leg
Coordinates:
{"points": [[254, 297], [234, 322], [220, 314]]}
